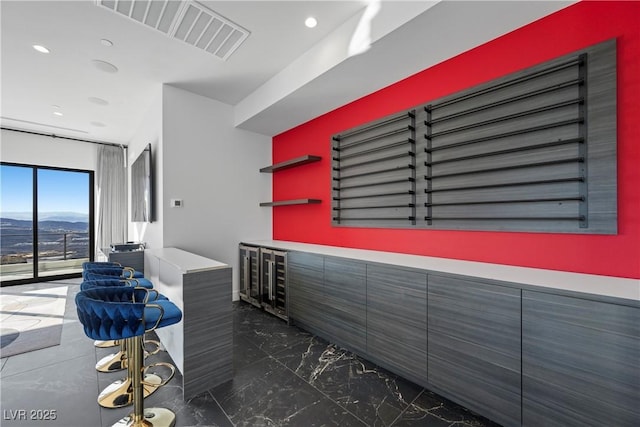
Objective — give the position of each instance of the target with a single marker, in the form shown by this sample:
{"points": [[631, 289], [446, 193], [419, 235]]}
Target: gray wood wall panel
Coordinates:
{"points": [[397, 320], [581, 362], [208, 330], [474, 352], [468, 173], [346, 302]]}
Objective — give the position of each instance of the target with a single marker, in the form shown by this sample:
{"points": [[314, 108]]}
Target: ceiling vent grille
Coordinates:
{"points": [[187, 21]]}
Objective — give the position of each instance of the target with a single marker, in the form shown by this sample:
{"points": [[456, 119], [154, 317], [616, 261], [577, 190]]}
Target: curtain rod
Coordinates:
{"points": [[65, 137]]}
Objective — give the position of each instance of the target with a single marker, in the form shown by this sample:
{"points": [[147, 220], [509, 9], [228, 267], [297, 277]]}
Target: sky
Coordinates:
{"points": [[58, 191]]}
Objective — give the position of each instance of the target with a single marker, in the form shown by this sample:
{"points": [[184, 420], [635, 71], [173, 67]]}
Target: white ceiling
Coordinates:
{"points": [[284, 73]]}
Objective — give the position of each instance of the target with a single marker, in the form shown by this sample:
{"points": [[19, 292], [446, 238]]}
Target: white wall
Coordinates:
{"points": [[149, 132], [214, 168], [17, 147]]}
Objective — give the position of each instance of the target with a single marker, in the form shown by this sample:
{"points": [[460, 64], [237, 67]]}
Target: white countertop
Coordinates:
{"points": [[616, 287], [184, 261]]}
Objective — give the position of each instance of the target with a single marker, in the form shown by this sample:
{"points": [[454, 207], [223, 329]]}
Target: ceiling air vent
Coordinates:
{"points": [[187, 21]]}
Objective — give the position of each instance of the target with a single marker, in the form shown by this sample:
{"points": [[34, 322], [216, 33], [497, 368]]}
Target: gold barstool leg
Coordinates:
{"points": [[151, 417], [120, 393], [115, 361]]}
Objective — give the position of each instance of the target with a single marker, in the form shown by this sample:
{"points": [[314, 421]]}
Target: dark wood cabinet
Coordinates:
{"points": [[474, 345], [345, 291], [512, 354], [306, 293], [580, 362], [133, 259], [397, 320]]}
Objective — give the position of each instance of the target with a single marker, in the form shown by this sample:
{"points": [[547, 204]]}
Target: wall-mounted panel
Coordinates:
{"points": [[373, 179], [532, 151]]}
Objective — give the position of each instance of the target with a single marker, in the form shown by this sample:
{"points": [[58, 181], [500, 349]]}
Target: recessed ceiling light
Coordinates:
{"points": [[55, 106], [98, 101], [41, 48], [311, 22], [104, 66], [58, 113], [106, 42]]}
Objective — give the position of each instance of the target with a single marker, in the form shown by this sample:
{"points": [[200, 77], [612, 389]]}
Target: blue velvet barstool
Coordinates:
{"points": [[117, 361], [119, 313], [89, 274], [98, 270], [106, 273], [127, 272]]}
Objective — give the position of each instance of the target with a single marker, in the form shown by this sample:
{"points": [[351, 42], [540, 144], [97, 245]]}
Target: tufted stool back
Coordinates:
{"points": [[110, 314], [90, 275]]}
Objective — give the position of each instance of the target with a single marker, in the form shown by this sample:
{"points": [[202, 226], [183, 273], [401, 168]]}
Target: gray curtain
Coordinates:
{"points": [[111, 179]]}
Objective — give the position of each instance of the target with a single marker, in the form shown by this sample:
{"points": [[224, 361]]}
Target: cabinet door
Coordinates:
{"points": [[306, 294], [397, 320], [580, 362], [345, 292], [474, 345]]}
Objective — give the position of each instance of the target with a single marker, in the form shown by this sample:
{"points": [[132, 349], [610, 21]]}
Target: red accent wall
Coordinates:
{"points": [[570, 29]]}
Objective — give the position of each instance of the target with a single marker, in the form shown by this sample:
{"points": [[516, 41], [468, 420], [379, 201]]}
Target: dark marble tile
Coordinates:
{"points": [[432, 410], [67, 387], [373, 394], [268, 394], [267, 332], [201, 410], [283, 376], [245, 353]]}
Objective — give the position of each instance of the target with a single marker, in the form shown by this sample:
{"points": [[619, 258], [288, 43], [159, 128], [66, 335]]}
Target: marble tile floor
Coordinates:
{"points": [[283, 376]]}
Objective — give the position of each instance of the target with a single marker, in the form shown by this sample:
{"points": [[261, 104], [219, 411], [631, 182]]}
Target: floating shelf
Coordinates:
{"points": [[298, 161], [292, 202]]}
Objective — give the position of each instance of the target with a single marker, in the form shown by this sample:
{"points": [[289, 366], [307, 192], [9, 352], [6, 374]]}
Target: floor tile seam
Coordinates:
{"points": [[322, 393], [221, 408], [256, 399], [399, 417]]}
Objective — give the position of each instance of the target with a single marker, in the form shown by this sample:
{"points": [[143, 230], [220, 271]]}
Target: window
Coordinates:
{"points": [[46, 222]]}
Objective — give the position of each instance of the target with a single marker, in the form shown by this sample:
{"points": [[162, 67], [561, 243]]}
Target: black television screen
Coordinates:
{"points": [[141, 187]]}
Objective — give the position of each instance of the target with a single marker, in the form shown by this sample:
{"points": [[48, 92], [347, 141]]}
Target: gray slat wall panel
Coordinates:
{"points": [[532, 151], [397, 320], [474, 352], [580, 362], [373, 178]]}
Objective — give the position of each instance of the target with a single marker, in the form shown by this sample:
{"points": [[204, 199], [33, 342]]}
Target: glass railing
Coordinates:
{"points": [[58, 253]]}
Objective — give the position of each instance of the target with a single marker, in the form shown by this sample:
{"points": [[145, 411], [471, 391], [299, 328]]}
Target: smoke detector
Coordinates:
{"points": [[187, 21]]}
